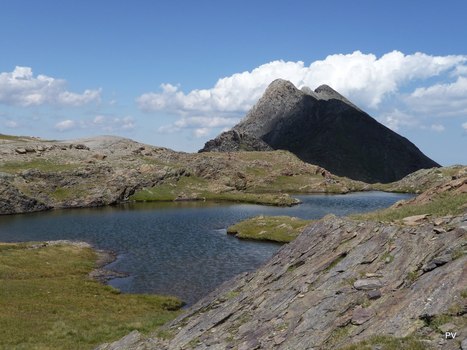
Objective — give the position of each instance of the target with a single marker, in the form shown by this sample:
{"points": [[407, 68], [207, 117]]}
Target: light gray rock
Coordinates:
{"points": [[129, 342], [367, 284], [361, 315], [464, 344], [21, 151]]}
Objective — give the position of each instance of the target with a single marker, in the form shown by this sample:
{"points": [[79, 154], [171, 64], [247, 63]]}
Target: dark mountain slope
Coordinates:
{"points": [[322, 127]]}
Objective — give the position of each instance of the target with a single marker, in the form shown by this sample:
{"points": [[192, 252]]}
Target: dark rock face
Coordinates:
{"points": [[322, 127], [13, 201], [232, 140]]}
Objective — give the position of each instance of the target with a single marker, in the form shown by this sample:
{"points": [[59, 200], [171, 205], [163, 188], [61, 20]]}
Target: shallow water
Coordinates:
{"points": [[179, 248]]}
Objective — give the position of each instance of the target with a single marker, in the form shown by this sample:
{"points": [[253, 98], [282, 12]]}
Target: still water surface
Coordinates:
{"points": [[179, 249]]}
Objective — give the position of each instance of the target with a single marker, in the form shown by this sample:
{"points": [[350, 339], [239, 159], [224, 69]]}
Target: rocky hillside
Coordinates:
{"points": [[344, 283], [322, 127], [38, 174]]}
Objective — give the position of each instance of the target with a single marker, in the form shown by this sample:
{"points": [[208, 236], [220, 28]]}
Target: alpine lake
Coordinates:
{"points": [[178, 248]]}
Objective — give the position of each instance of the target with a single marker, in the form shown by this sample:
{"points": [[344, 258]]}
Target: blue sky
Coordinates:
{"points": [[177, 73]]}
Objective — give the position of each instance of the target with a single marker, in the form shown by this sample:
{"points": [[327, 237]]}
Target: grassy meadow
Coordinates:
{"points": [[47, 300]]}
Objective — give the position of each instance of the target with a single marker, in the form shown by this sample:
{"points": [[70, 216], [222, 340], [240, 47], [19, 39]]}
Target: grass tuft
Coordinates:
{"points": [[38, 164], [441, 205], [271, 228]]}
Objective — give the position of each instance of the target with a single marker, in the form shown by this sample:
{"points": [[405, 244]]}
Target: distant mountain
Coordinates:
{"points": [[322, 127]]}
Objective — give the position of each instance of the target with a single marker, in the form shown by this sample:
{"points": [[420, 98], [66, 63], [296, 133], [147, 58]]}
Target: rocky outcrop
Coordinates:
{"points": [[322, 127], [14, 201], [234, 141], [108, 170], [340, 281], [82, 173]]}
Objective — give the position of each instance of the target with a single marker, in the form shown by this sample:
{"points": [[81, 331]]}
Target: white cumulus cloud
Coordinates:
{"points": [[437, 127], [99, 123], [110, 123], [367, 80], [445, 99], [396, 119], [200, 126], [11, 124], [21, 88], [464, 126], [201, 132], [363, 78], [65, 125]]}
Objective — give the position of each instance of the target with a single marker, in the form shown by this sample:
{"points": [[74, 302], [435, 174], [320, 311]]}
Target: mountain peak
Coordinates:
{"points": [[325, 92], [324, 128], [280, 87]]}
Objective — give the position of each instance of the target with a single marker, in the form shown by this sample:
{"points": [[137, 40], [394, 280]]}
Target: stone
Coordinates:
{"points": [[80, 146], [20, 150], [361, 315], [414, 220], [439, 230], [464, 344], [146, 168], [99, 156], [374, 294], [367, 284], [128, 342], [438, 221], [438, 261]]}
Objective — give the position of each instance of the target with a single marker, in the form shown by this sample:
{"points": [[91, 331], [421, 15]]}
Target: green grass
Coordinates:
{"points": [[65, 193], [336, 261], [420, 180], [9, 137], [197, 188], [337, 335], [271, 228], [412, 276], [188, 187], [39, 164], [287, 184], [441, 205], [281, 200], [48, 302], [388, 343]]}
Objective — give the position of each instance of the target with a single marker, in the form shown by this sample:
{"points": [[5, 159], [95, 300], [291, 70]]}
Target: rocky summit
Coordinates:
{"points": [[324, 128]]}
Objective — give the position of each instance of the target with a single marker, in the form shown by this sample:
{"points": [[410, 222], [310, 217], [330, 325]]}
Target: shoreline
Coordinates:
{"points": [[216, 198]]}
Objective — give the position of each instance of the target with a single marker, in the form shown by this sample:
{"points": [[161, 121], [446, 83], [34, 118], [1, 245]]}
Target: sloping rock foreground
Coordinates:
{"points": [[340, 281], [322, 127]]}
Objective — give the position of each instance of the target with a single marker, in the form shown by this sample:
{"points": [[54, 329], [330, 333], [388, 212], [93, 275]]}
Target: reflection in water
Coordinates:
{"points": [[179, 248]]}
